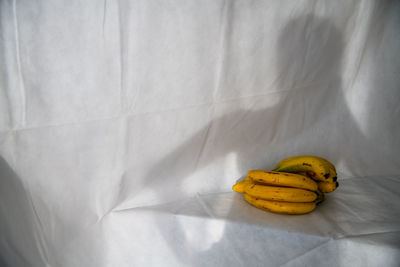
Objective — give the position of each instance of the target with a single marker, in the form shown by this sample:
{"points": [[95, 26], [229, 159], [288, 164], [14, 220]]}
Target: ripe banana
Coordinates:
{"points": [[318, 168], [332, 173], [281, 207], [327, 187], [239, 186], [287, 194], [282, 179]]}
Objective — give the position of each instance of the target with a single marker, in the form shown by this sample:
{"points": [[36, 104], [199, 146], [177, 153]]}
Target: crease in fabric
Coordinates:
{"points": [[19, 65]]}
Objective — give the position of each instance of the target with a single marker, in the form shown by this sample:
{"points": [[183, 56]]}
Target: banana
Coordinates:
{"points": [[281, 207], [330, 165], [282, 179], [332, 173], [327, 187], [239, 186], [318, 168], [287, 194]]}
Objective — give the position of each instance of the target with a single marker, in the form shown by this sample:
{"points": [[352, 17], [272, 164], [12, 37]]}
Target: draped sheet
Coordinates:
{"points": [[124, 125]]}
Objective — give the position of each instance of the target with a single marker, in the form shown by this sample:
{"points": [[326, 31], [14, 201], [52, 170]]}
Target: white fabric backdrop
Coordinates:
{"points": [[124, 124]]}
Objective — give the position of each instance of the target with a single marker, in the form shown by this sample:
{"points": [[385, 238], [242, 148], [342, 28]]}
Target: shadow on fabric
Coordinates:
{"points": [[19, 245], [314, 109]]}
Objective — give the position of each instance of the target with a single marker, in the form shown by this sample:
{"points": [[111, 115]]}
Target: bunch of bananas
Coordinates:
{"points": [[295, 186]]}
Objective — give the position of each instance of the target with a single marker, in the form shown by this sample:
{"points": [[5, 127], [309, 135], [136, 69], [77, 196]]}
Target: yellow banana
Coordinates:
{"points": [[282, 179], [318, 168], [332, 174], [332, 171], [287, 194], [281, 207], [327, 187], [239, 186], [330, 165]]}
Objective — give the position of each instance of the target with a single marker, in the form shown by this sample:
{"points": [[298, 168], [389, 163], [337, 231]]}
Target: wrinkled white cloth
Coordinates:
{"points": [[124, 125]]}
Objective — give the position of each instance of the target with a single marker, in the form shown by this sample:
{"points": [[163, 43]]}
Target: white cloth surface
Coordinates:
{"points": [[124, 125]]}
